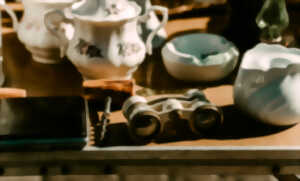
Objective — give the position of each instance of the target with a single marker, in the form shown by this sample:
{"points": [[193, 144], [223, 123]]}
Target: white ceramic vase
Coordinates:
{"points": [[32, 32], [268, 83]]}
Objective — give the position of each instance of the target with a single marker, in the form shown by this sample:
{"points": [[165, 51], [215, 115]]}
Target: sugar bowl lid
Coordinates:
{"points": [[105, 10]]}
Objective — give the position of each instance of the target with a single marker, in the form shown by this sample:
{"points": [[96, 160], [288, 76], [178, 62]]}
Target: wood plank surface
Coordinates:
{"points": [[154, 160]]}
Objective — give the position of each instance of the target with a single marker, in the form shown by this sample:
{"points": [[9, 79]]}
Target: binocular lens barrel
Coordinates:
{"points": [[145, 126], [205, 119]]}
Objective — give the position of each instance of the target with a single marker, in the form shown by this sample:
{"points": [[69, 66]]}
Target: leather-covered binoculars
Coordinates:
{"points": [[146, 119]]}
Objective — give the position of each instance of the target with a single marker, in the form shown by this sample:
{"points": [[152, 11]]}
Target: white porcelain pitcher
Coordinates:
{"points": [[32, 31], [105, 43]]}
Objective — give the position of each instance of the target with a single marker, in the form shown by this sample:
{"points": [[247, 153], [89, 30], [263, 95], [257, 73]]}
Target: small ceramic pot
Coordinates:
{"points": [[105, 43], [268, 83], [32, 32], [200, 57]]}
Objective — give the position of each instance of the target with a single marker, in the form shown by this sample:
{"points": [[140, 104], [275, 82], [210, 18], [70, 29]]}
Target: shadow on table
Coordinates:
{"points": [[236, 126]]}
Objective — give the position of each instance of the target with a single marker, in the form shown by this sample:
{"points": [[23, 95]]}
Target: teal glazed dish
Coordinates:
{"points": [[200, 57]]}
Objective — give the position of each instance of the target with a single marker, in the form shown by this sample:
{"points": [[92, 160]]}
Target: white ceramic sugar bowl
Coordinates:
{"points": [[105, 43]]}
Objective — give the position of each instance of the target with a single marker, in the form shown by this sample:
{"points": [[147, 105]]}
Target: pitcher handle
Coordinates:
{"points": [[164, 21], [53, 20], [12, 14]]}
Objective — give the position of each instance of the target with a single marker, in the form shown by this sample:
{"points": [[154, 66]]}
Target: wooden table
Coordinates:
{"points": [[242, 146]]}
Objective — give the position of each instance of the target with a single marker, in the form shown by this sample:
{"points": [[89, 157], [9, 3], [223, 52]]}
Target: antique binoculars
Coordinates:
{"points": [[146, 119]]}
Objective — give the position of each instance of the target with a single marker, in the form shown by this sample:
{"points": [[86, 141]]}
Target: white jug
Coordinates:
{"points": [[32, 31]]}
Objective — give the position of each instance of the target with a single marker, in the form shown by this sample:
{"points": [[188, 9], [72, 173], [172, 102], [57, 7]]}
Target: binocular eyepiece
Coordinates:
{"points": [[146, 119], [143, 122]]}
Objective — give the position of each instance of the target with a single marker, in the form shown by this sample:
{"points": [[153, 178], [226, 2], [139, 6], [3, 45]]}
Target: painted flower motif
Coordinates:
{"points": [[32, 25], [113, 10], [88, 49], [128, 49]]}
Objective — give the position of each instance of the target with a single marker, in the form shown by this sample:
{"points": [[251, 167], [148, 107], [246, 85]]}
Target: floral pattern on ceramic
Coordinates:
{"points": [[32, 31], [105, 43], [128, 49], [268, 83], [113, 9], [88, 49]]}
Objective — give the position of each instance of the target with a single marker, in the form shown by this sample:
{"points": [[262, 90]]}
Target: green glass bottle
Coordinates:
{"points": [[273, 19]]}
